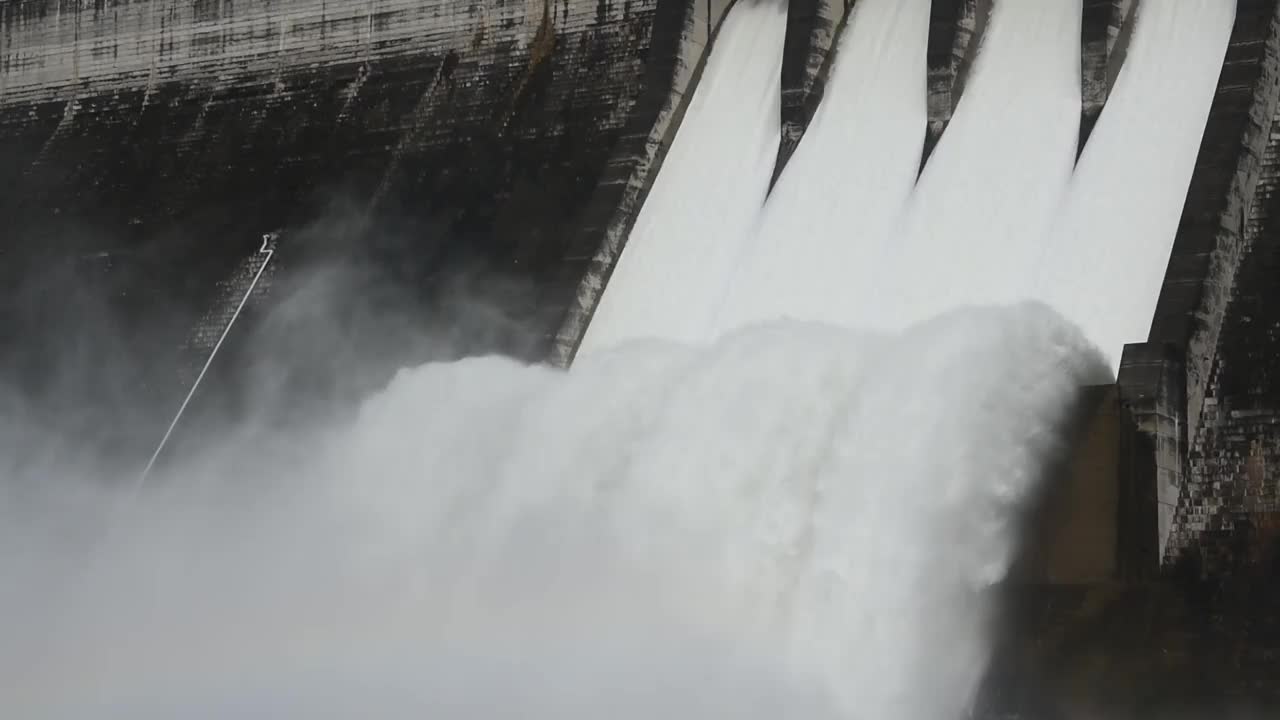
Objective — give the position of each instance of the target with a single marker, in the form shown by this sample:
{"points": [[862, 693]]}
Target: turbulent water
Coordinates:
{"points": [[788, 523], [787, 519], [1000, 214]]}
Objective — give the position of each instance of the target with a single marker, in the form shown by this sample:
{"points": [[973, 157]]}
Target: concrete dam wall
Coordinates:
{"points": [[165, 165], [148, 146]]}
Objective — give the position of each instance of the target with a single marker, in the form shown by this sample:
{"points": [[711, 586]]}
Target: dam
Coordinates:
{"points": [[780, 248]]}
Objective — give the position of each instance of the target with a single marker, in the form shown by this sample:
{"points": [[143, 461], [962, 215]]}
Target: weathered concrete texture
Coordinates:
{"points": [[249, 283], [955, 36], [1210, 239], [956, 28], [157, 140], [1232, 492], [1205, 638], [810, 36], [1106, 29], [1152, 383], [1221, 317], [1088, 628]]}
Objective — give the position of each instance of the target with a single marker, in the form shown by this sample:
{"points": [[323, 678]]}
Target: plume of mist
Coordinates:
{"points": [[95, 363], [796, 521], [86, 354]]}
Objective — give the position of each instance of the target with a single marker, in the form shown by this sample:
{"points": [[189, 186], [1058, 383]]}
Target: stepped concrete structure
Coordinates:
{"points": [[147, 148]]}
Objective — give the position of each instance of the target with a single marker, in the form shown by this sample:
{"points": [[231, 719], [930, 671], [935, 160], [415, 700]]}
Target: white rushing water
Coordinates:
{"points": [[998, 215], [745, 530], [778, 482], [705, 198], [1104, 261], [826, 228], [986, 200]]}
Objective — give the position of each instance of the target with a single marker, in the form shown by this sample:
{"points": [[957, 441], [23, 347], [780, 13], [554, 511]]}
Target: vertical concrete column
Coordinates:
{"points": [[1211, 236], [1105, 32], [812, 29], [1152, 385], [956, 28]]}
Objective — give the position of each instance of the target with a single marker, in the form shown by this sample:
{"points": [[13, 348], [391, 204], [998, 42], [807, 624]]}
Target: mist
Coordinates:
{"points": [[796, 520]]}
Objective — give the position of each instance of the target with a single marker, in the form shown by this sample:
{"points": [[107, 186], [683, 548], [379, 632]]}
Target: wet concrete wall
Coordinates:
{"points": [[1152, 384], [813, 27], [1089, 626], [1211, 236], [956, 29], [1106, 29], [1134, 651], [1204, 637], [1212, 321], [1231, 502], [146, 146]]}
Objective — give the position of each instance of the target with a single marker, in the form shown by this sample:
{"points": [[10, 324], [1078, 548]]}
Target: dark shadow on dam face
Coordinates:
{"points": [[351, 302], [405, 176], [104, 326], [1088, 625], [89, 343], [100, 347]]}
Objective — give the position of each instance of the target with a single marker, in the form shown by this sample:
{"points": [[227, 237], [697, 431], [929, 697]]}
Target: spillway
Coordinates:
{"points": [[986, 199], [1103, 260], [637, 537], [708, 192], [1001, 212], [781, 479], [825, 230]]}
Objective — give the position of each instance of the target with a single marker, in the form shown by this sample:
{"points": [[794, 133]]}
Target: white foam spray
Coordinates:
{"points": [[752, 530], [797, 520]]}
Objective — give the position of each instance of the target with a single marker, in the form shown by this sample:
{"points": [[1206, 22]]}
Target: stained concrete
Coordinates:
{"points": [[1231, 490], [1106, 30], [1210, 240], [813, 28], [956, 29], [149, 145]]}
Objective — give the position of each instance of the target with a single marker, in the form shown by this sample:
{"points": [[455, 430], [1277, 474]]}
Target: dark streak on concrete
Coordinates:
{"points": [[482, 154], [799, 103], [956, 32], [1106, 31], [809, 41], [1233, 484], [1210, 239]]}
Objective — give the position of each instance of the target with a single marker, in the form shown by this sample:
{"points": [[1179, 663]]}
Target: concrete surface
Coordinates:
{"points": [[146, 146], [150, 144]]}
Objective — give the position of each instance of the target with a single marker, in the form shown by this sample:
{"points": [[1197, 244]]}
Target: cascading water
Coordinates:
{"points": [[998, 172], [790, 519], [1104, 260], [702, 202], [853, 172], [755, 529]]}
